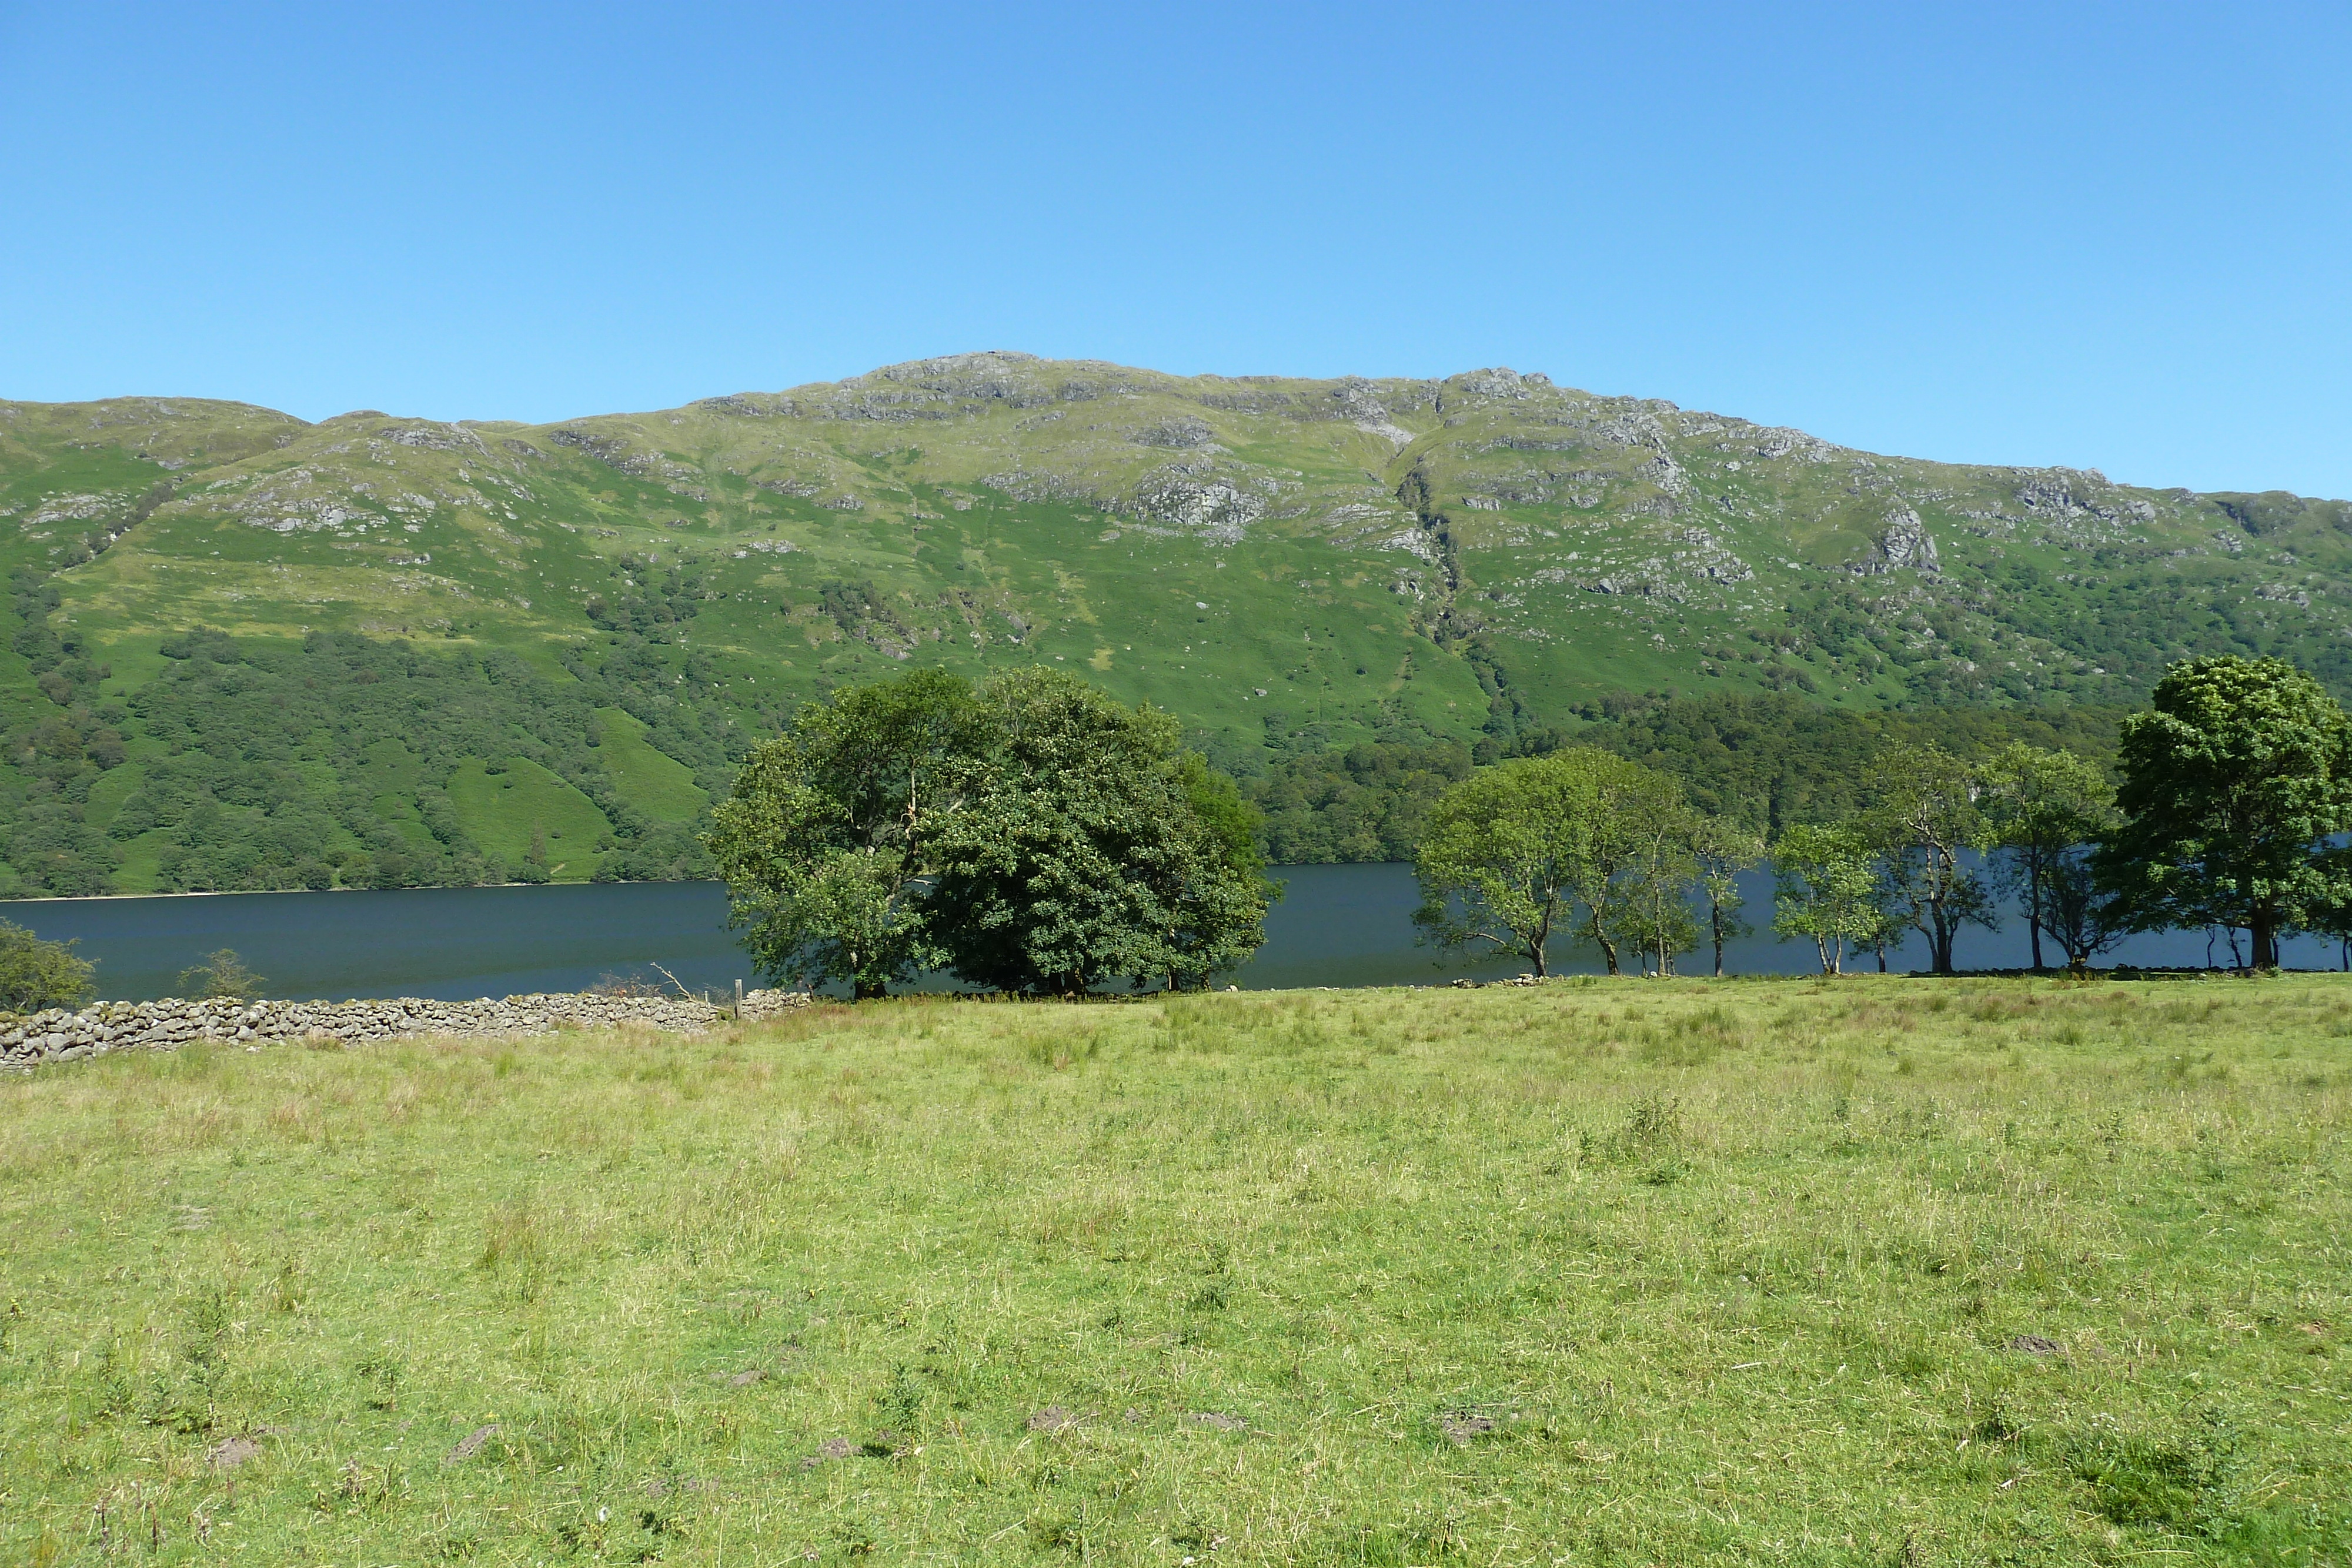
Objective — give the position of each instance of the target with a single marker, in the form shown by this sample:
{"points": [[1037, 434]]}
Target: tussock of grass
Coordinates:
{"points": [[1873, 1271]]}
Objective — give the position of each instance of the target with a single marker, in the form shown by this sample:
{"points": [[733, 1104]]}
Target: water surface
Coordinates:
{"points": [[1336, 926]]}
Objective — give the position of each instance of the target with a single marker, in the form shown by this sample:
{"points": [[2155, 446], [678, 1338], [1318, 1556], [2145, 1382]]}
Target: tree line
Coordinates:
{"points": [[1031, 834], [2227, 810], [235, 799], [1766, 759]]}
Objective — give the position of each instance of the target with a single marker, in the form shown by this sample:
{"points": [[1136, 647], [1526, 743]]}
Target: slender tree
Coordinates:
{"points": [[1822, 889], [1923, 819], [2331, 916], [1651, 897], [1723, 848], [2235, 783], [1882, 923], [2086, 920], [1511, 857], [1630, 807], [2043, 807], [1500, 855]]}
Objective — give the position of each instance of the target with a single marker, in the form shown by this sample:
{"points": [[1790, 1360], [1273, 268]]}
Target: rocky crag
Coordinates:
{"points": [[59, 1035]]}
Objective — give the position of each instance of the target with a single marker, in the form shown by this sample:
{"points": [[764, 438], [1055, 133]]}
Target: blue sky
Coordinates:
{"points": [[2106, 235]]}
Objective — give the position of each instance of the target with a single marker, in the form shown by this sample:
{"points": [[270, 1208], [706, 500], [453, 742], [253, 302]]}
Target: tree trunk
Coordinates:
{"points": [[1939, 940], [869, 991], [1607, 948], [2265, 938], [1945, 919], [1716, 917], [2034, 877]]}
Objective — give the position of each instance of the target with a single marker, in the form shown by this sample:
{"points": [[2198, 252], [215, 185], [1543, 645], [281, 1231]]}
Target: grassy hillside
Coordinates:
{"points": [[1862, 1272], [1292, 567]]}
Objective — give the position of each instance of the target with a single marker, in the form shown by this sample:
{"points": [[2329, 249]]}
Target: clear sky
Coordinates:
{"points": [[2112, 236]]}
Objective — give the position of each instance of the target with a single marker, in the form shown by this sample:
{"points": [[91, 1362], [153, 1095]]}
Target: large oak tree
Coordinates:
{"points": [[1030, 834], [2234, 784]]}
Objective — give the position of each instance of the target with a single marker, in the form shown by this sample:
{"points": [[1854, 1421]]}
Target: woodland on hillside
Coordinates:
{"points": [[331, 765]]}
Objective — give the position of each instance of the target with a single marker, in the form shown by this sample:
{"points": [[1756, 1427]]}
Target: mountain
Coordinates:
{"points": [[246, 650]]}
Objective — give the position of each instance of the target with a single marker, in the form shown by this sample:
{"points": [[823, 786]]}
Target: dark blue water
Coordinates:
{"points": [[1336, 926]]}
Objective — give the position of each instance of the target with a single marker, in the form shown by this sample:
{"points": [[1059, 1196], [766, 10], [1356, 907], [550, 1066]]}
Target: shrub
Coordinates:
{"points": [[35, 974], [222, 975]]}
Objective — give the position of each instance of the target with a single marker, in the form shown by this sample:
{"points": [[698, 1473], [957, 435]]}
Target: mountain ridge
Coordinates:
{"points": [[1290, 565]]}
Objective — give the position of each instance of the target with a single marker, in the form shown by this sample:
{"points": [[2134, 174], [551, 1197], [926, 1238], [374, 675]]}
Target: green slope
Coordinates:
{"points": [[654, 782], [1290, 566]]}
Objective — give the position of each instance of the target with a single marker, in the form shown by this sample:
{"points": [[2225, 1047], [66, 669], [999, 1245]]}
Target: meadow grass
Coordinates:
{"points": [[1856, 1272]]}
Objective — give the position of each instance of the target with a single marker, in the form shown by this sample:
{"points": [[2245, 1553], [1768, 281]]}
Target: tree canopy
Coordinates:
{"points": [[37, 974], [1922, 818], [2234, 784], [1028, 834], [1510, 857], [2045, 809]]}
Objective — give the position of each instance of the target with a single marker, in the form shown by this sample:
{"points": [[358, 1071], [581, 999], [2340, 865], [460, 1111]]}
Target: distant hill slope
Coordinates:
{"points": [[1289, 566]]}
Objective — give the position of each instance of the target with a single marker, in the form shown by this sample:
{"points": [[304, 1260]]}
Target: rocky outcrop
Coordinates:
{"points": [[1360, 405], [1903, 542], [1210, 506], [612, 453], [1183, 433], [1502, 381], [1782, 443], [2071, 495], [59, 1035]]}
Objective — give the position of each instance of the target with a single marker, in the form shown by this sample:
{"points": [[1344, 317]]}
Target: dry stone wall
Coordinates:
{"points": [[59, 1035]]}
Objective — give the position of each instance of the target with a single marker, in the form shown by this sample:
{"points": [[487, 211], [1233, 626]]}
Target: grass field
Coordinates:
{"points": [[1869, 1271]]}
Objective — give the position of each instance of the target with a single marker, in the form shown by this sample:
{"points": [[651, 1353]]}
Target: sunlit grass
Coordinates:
{"points": [[1864, 1271]]}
